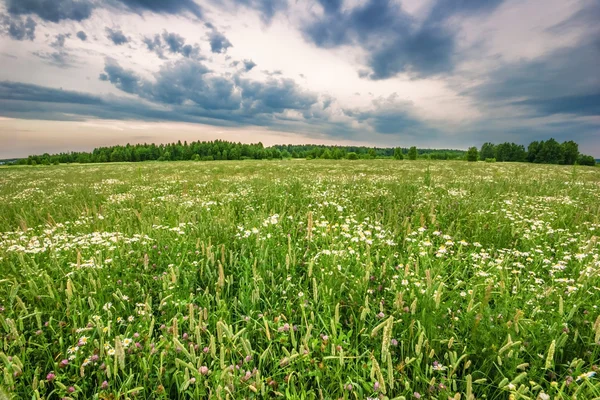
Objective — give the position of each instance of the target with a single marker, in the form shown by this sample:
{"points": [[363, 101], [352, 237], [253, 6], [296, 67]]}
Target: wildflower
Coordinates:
{"points": [[376, 386], [380, 315], [111, 352], [127, 342], [587, 375], [104, 385], [63, 363], [438, 367], [203, 370], [82, 341], [394, 342], [71, 389], [417, 395], [130, 318], [50, 377], [349, 387], [568, 380]]}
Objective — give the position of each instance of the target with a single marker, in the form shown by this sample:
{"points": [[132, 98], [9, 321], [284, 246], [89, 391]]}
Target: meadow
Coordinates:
{"points": [[300, 279]]}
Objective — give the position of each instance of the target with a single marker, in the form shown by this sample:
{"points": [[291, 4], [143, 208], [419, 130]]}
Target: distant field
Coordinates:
{"points": [[300, 279]]}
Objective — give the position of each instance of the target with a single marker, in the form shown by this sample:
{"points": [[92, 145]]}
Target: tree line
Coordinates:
{"points": [[549, 152], [541, 152], [224, 150]]}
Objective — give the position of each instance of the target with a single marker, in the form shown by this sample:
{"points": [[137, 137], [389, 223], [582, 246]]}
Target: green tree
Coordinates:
{"points": [[550, 153], [532, 151], [586, 160], [372, 153], [472, 154], [412, 153], [570, 151], [352, 156], [398, 153], [487, 151]]}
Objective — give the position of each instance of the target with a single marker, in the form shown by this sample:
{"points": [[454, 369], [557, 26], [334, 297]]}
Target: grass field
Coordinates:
{"points": [[300, 279]]}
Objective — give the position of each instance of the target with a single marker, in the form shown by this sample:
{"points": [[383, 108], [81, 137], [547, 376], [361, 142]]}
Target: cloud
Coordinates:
{"points": [[52, 10], [190, 84], [59, 41], [163, 6], [82, 35], [395, 42], [125, 80], [17, 28], [266, 8], [60, 57], [248, 65], [155, 45], [116, 36], [79, 10], [173, 43], [392, 116], [25, 92], [564, 81], [218, 42]]}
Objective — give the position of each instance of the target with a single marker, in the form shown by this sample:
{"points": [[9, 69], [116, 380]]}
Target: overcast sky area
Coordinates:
{"points": [[77, 74]]}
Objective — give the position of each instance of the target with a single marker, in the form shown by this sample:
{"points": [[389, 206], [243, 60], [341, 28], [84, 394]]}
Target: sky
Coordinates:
{"points": [[77, 74]]}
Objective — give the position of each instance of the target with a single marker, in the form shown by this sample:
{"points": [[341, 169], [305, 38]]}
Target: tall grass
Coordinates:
{"points": [[300, 279]]}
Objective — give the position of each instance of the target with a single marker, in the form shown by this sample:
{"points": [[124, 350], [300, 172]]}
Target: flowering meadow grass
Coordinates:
{"points": [[301, 280]]}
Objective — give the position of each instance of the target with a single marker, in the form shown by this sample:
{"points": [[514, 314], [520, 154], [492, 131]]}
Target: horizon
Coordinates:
{"points": [[433, 74]]}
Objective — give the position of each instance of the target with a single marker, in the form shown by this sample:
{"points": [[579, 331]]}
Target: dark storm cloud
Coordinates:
{"points": [[52, 10], [394, 41], [82, 35], [218, 42], [116, 36], [17, 27]]}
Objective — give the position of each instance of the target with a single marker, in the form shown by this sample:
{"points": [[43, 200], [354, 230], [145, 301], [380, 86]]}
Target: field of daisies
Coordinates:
{"points": [[293, 279]]}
